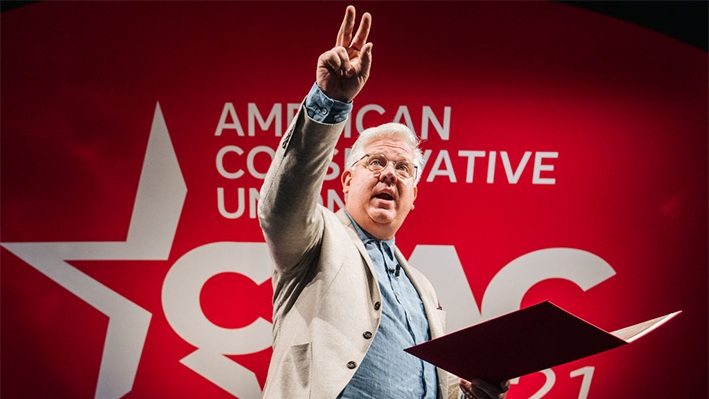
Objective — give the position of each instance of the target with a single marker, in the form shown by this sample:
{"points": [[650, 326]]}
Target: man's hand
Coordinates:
{"points": [[481, 389], [343, 71]]}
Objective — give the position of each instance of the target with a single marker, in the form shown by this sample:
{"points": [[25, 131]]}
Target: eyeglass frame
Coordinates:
{"points": [[412, 177]]}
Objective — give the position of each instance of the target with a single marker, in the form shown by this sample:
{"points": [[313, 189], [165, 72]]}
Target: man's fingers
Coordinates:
{"points": [[330, 60], [366, 59], [336, 60], [362, 32], [345, 68], [466, 387], [344, 36], [482, 389]]}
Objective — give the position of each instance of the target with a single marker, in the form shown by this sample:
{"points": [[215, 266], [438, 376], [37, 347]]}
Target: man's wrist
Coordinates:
{"points": [[322, 108]]}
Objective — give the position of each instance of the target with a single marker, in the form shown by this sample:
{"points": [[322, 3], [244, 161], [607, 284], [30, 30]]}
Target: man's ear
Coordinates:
{"points": [[346, 180]]}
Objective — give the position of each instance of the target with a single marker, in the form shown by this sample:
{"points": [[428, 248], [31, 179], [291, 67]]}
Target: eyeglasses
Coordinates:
{"points": [[378, 162]]}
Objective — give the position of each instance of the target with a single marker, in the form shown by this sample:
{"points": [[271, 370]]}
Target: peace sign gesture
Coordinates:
{"points": [[343, 70]]}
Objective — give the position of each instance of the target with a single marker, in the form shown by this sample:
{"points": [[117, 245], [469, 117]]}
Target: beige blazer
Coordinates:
{"points": [[326, 299]]}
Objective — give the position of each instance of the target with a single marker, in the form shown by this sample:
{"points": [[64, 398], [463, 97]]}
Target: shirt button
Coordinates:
{"points": [[351, 364], [323, 111], [367, 334], [377, 305]]}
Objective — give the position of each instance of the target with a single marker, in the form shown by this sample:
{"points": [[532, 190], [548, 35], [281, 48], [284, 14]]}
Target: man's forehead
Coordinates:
{"points": [[391, 144]]}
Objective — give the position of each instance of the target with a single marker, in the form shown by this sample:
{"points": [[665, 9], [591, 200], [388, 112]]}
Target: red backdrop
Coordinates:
{"points": [[135, 136]]}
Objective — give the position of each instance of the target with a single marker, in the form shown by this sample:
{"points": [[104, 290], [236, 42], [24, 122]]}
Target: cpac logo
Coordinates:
{"points": [[158, 204]]}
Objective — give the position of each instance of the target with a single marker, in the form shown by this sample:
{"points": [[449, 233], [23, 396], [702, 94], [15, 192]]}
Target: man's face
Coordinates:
{"points": [[379, 202]]}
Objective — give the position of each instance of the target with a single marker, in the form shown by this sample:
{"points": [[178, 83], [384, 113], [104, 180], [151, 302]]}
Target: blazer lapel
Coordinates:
{"points": [[435, 324], [357, 242]]}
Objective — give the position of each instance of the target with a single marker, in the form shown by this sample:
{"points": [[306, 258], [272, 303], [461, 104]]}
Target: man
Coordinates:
{"points": [[346, 303]]}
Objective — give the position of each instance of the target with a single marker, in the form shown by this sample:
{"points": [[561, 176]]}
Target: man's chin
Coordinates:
{"points": [[382, 216]]}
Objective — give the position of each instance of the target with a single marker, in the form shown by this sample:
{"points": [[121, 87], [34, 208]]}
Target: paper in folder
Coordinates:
{"points": [[525, 341]]}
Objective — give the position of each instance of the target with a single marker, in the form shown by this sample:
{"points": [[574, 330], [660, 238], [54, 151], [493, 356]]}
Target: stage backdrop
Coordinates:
{"points": [[566, 159]]}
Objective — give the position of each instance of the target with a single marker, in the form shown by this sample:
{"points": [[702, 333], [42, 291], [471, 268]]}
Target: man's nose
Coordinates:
{"points": [[388, 173]]}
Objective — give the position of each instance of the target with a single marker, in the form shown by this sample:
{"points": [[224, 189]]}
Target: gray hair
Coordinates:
{"points": [[396, 130]]}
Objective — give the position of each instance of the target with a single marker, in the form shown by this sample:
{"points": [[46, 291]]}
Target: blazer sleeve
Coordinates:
{"points": [[288, 207]]}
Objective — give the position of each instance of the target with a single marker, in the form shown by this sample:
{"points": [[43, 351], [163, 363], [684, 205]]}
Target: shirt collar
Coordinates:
{"points": [[366, 237]]}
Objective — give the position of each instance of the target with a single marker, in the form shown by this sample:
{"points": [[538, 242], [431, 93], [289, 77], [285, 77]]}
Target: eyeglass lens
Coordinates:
{"points": [[378, 162]]}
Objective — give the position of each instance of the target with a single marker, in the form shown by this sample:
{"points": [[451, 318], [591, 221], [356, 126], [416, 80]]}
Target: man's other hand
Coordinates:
{"points": [[481, 389], [343, 70]]}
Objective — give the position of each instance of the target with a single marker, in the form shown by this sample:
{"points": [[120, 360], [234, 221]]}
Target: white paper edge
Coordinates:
{"points": [[634, 332]]}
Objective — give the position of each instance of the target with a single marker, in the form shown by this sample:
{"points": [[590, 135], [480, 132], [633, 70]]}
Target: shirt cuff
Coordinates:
{"points": [[322, 108]]}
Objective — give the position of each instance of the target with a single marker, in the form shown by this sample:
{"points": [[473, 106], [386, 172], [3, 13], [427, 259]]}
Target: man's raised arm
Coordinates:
{"points": [[288, 205]]}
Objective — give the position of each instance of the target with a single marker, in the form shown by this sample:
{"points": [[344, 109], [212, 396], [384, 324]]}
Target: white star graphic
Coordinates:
{"points": [[156, 213]]}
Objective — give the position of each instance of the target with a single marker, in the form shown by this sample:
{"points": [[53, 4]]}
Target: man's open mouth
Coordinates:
{"points": [[384, 196]]}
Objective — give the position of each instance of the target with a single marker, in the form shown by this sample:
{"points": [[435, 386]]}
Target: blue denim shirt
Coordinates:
{"points": [[322, 108], [386, 370]]}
